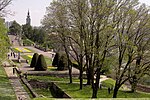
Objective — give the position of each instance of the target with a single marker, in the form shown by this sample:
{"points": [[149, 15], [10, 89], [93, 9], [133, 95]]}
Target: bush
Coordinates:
{"points": [[63, 63], [56, 60], [41, 64], [34, 60], [27, 42]]}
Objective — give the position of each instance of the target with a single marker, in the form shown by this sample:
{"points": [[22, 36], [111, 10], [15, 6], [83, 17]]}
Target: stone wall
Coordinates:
{"points": [[54, 89]]}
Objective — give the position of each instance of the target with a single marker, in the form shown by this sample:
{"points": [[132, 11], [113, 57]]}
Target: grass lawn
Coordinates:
{"points": [[15, 50], [23, 50], [108, 83], [97, 99], [86, 92], [43, 92], [6, 90], [27, 58], [74, 92], [50, 79]]}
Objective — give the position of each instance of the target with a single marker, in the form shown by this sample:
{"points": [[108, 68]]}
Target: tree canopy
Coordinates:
{"points": [[94, 31], [15, 28], [4, 41]]}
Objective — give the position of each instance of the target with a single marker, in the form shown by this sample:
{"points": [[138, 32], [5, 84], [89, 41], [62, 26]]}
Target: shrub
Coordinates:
{"points": [[41, 64], [63, 63], [27, 42], [56, 60], [34, 60]]}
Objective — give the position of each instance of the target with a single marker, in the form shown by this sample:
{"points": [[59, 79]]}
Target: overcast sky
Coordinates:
{"points": [[20, 8], [37, 10]]}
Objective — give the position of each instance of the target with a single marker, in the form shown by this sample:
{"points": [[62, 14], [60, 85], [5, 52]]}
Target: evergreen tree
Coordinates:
{"points": [[63, 63], [56, 60], [34, 60], [41, 64]]}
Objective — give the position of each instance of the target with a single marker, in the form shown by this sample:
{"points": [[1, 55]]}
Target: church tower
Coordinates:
{"points": [[28, 20]]}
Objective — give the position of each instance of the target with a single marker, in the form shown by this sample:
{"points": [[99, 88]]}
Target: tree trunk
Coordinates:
{"points": [[96, 85], [115, 91], [94, 95], [70, 74], [133, 83], [133, 87], [88, 77], [81, 78]]}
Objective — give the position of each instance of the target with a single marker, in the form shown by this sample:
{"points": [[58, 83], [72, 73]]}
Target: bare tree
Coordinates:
{"points": [[3, 6]]}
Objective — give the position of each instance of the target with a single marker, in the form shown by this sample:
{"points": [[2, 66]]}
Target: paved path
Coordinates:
{"points": [[13, 40], [20, 92]]}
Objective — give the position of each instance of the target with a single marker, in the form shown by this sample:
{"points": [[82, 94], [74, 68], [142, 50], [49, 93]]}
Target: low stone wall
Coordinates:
{"points": [[38, 84], [25, 82], [34, 94], [57, 92], [143, 88], [54, 89]]}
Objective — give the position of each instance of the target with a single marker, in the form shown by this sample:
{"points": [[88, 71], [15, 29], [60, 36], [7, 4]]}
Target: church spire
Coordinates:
{"points": [[28, 20], [28, 13]]}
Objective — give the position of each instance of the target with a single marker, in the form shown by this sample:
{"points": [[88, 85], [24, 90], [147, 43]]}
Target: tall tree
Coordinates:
{"points": [[126, 17], [57, 17], [141, 40], [93, 30], [27, 31], [15, 28]]}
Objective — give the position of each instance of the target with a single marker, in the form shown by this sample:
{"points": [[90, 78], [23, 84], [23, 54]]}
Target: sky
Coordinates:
{"points": [[19, 8], [37, 10]]}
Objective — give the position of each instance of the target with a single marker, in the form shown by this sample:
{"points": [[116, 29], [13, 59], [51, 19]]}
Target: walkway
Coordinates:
{"points": [[19, 90]]}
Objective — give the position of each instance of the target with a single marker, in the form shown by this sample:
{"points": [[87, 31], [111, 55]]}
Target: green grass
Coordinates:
{"points": [[48, 61], [50, 78], [73, 89], [86, 92], [41, 98], [27, 58], [108, 83], [43, 92], [97, 99], [15, 50], [6, 90], [27, 42]]}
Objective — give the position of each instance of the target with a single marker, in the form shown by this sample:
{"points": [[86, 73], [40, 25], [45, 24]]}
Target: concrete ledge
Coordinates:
{"points": [[57, 92], [25, 82], [34, 94]]}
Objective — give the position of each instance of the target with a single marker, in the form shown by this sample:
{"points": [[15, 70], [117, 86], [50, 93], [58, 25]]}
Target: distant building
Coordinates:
{"points": [[8, 24], [28, 20]]}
